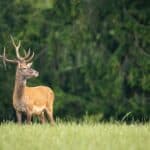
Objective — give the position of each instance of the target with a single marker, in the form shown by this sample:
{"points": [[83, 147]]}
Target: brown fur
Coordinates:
{"points": [[32, 100]]}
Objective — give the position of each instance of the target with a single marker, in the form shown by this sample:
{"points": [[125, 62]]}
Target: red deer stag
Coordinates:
{"points": [[29, 100]]}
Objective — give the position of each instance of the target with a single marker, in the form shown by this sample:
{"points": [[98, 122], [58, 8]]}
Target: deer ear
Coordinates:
{"points": [[29, 64]]}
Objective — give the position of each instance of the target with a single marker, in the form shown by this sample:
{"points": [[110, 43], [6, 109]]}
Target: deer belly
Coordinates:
{"points": [[38, 110]]}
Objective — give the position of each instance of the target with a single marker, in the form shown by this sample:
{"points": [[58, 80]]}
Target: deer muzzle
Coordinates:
{"points": [[36, 73]]}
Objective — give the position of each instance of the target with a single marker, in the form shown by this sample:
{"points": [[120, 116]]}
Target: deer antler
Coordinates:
{"points": [[3, 58], [30, 58], [27, 56], [16, 47], [6, 59]]}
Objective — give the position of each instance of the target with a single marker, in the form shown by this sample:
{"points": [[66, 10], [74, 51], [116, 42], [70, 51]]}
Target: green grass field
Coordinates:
{"points": [[72, 136]]}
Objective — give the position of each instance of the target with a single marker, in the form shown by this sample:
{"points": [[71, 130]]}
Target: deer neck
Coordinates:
{"points": [[19, 89]]}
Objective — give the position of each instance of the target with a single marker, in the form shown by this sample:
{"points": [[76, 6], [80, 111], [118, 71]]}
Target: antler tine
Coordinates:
{"points": [[6, 59], [16, 47], [4, 56], [27, 54], [30, 58]]}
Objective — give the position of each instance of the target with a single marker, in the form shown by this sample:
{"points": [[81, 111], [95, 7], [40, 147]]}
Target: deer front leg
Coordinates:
{"points": [[29, 117], [19, 117]]}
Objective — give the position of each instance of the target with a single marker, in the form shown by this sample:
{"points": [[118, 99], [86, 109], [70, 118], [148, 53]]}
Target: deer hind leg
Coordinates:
{"points": [[50, 116], [19, 117], [42, 118]]}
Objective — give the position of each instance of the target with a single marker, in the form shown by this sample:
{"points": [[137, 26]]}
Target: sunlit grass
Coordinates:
{"points": [[72, 136]]}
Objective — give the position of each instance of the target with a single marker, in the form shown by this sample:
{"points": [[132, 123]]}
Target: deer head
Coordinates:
{"points": [[23, 63]]}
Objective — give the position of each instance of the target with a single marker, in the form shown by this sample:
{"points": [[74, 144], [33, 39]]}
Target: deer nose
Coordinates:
{"points": [[36, 73]]}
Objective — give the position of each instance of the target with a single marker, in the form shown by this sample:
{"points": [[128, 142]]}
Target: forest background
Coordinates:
{"points": [[94, 54]]}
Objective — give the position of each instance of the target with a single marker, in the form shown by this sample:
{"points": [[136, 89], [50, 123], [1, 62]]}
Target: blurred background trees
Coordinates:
{"points": [[93, 53]]}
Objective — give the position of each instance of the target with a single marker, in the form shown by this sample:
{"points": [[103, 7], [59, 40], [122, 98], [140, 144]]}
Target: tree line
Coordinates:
{"points": [[93, 53]]}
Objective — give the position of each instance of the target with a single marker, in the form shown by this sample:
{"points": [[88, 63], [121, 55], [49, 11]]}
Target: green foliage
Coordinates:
{"points": [[94, 54]]}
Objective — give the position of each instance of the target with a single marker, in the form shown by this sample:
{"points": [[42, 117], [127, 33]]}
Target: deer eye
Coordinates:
{"points": [[23, 69]]}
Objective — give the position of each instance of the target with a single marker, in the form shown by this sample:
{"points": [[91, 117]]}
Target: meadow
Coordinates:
{"points": [[73, 136]]}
